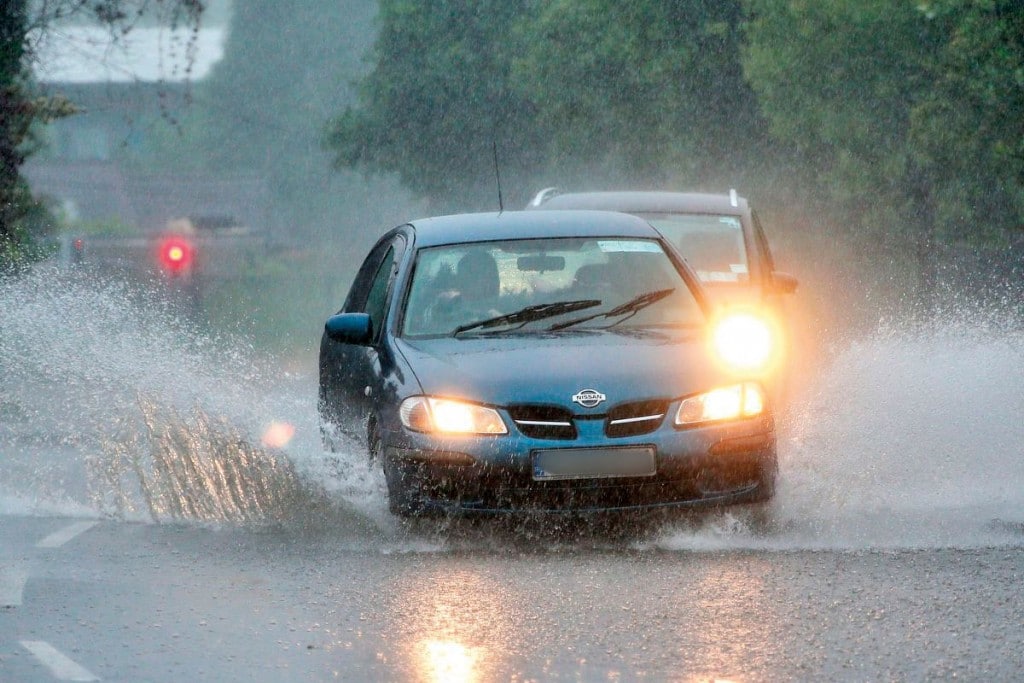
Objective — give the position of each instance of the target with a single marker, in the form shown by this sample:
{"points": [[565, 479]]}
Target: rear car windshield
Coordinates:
{"points": [[461, 284]]}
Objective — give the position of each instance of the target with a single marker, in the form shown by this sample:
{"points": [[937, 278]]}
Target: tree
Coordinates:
{"points": [[650, 90], [575, 90], [968, 128], [21, 109], [17, 112], [912, 113], [288, 67], [439, 98]]}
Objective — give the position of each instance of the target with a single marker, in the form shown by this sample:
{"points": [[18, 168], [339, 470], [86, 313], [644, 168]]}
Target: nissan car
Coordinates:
{"points": [[549, 362]]}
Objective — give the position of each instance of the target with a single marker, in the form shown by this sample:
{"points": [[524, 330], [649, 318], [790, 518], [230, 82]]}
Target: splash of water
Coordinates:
{"points": [[909, 438], [112, 404]]}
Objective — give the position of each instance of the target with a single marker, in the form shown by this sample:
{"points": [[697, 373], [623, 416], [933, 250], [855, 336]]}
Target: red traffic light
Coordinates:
{"points": [[176, 254]]}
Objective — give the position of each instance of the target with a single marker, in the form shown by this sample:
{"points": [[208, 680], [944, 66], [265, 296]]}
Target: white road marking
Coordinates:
{"points": [[60, 666], [59, 538], [12, 585]]}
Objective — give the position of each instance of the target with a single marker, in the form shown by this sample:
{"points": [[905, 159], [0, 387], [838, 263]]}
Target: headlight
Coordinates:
{"points": [[449, 416], [745, 342], [725, 403]]}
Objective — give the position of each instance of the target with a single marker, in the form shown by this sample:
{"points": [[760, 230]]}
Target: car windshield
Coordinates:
{"points": [[545, 285], [712, 245]]}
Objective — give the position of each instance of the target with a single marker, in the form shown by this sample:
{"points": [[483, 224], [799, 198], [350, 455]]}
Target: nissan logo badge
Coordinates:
{"points": [[588, 398]]}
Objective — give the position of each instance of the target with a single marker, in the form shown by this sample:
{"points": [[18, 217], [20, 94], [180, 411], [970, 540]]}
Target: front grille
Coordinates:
{"points": [[544, 421], [633, 419]]}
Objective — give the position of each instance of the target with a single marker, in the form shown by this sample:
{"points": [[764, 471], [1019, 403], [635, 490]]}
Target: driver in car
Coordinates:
{"points": [[472, 291]]}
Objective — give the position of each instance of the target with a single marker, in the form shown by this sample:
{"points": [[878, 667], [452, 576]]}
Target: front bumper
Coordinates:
{"points": [[707, 466]]}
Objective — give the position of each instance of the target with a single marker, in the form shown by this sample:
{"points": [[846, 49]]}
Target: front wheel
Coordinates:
{"points": [[402, 501], [767, 478], [759, 514]]}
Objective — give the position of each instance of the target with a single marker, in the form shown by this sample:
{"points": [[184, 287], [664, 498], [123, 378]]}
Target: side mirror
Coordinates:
{"points": [[784, 283], [350, 328]]}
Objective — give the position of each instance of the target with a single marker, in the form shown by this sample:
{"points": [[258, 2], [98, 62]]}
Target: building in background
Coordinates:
{"points": [[122, 87]]}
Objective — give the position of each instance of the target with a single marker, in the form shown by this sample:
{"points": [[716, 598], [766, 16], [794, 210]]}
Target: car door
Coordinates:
{"points": [[351, 374]]}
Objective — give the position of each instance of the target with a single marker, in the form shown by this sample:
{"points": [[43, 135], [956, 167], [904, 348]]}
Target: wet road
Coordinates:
{"points": [[116, 601]]}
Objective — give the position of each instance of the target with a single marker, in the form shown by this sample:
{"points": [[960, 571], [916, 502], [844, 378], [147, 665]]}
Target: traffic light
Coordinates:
{"points": [[176, 255]]}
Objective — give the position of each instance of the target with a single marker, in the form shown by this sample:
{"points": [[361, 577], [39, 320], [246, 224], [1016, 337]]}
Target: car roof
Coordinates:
{"points": [[640, 201], [486, 227]]}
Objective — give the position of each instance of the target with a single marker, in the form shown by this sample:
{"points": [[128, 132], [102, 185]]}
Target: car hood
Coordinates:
{"points": [[501, 370]]}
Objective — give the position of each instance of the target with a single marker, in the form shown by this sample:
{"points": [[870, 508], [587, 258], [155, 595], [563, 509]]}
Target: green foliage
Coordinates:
{"points": [[23, 220], [438, 99], [907, 117], [910, 112], [968, 129], [288, 67], [650, 89], [647, 90], [28, 227]]}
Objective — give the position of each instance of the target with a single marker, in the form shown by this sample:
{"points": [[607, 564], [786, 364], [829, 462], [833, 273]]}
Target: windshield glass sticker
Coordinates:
{"points": [[613, 246]]}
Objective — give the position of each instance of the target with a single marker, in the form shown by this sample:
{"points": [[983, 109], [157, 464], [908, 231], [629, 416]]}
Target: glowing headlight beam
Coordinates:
{"points": [[449, 416], [724, 403], [745, 342]]}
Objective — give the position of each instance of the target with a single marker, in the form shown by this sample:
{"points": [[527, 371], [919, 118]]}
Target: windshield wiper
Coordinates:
{"points": [[628, 309], [529, 314]]}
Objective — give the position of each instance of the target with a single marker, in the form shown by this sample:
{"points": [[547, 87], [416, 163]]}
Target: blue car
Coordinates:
{"points": [[550, 361]]}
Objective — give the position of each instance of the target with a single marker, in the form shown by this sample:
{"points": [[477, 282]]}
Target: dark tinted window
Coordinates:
{"points": [[377, 299]]}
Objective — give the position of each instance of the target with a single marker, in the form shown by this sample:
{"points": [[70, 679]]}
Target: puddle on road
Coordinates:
{"points": [[111, 406]]}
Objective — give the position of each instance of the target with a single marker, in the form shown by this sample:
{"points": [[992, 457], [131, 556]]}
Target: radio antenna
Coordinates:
{"points": [[497, 176]]}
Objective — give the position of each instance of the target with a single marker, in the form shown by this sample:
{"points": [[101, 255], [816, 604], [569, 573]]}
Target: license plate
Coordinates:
{"points": [[593, 463]]}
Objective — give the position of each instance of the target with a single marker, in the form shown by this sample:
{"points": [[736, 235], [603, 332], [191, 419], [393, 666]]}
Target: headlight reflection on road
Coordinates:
{"points": [[447, 622], [450, 662], [741, 631]]}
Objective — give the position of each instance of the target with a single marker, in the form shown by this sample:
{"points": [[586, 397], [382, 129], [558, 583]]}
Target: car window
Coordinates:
{"points": [[713, 245], [460, 284], [377, 299], [360, 289]]}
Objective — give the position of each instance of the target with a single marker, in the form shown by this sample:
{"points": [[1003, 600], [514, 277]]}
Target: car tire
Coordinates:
{"points": [[767, 476], [402, 502]]}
